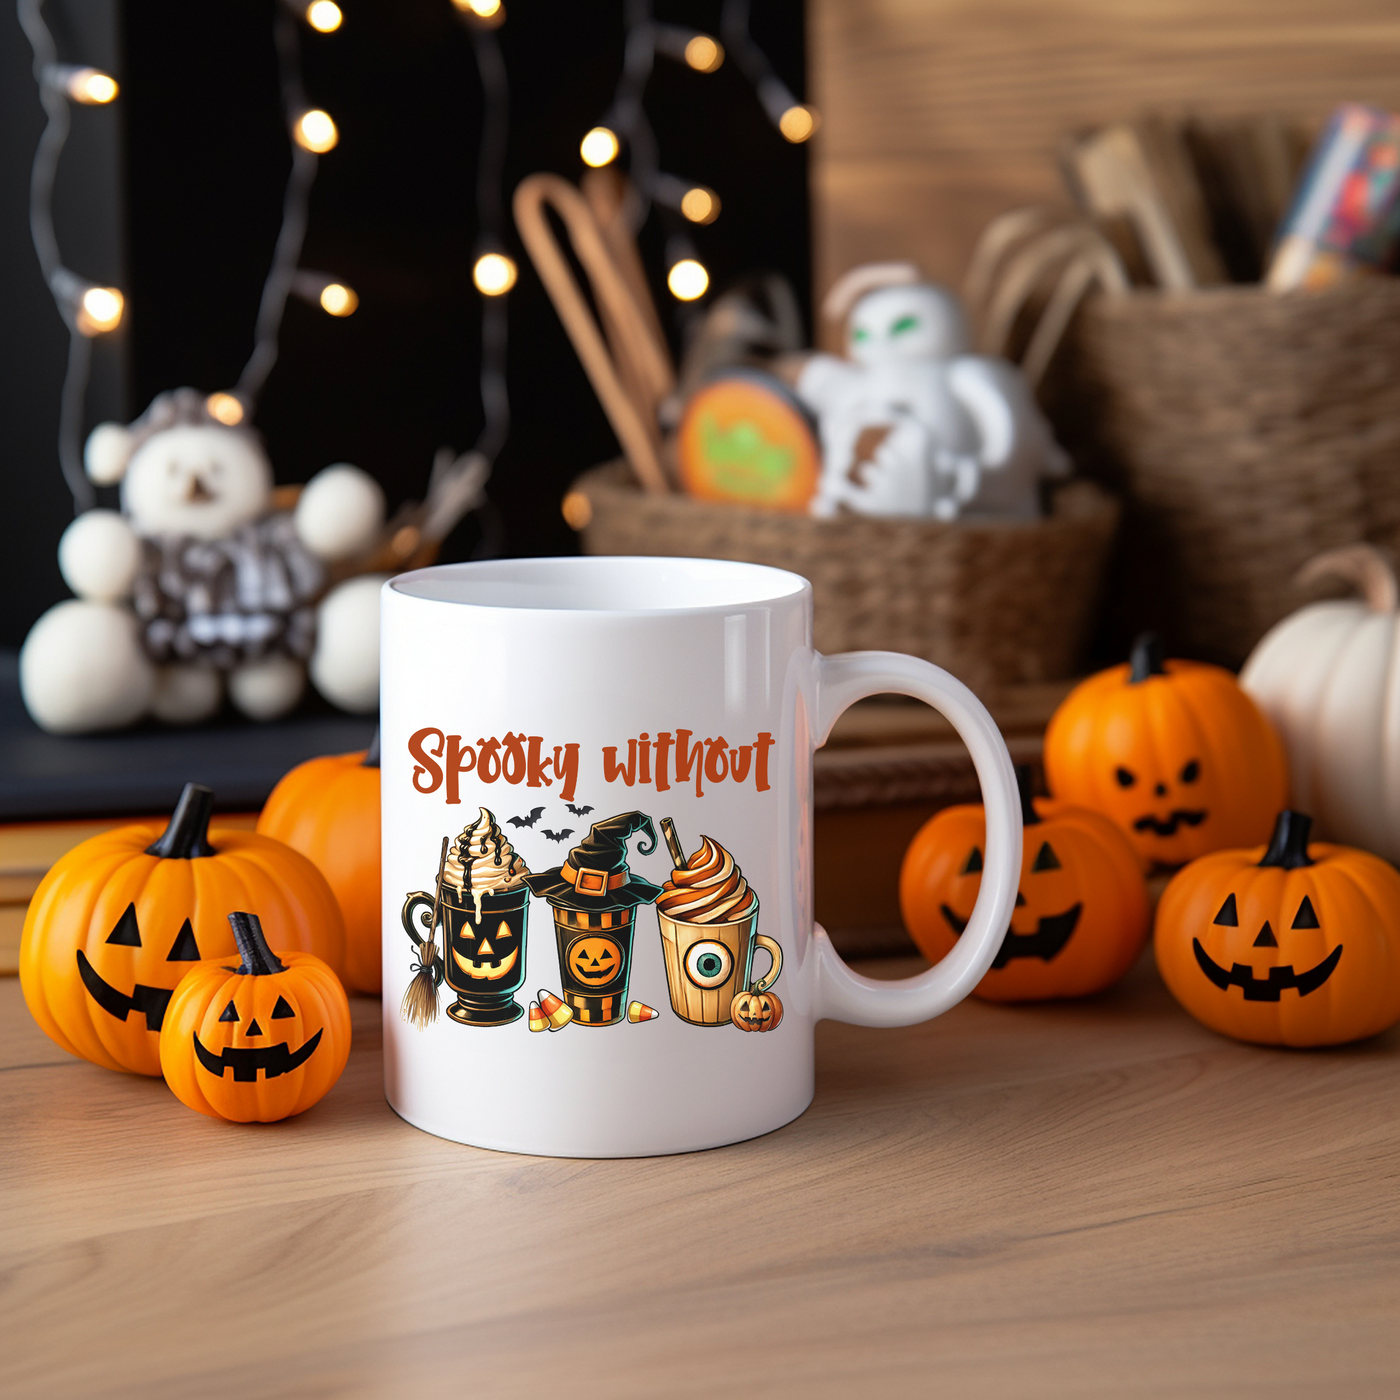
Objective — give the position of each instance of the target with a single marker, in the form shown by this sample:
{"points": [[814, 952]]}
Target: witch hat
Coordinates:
{"points": [[595, 876]]}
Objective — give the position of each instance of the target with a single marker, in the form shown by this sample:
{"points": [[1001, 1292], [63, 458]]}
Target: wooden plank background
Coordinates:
{"points": [[940, 114]]}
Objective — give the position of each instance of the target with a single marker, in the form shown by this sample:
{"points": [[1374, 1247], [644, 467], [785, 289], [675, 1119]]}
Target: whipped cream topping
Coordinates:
{"points": [[482, 861], [709, 889]]}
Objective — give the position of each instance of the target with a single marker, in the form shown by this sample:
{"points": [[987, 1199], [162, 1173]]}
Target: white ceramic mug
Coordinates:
{"points": [[620, 1000]]}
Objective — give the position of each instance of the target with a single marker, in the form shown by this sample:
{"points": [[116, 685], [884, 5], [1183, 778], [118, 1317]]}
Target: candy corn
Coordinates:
{"points": [[640, 1011], [538, 1020], [555, 1011]]}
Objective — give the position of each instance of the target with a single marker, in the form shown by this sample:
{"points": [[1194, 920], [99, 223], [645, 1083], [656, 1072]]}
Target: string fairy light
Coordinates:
{"points": [[457, 482], [88, 310], [313, 132], [626, 122]]}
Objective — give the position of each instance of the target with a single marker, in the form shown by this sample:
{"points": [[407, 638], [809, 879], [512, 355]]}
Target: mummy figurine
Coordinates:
{"points": [[199, 586], [911, 422]]}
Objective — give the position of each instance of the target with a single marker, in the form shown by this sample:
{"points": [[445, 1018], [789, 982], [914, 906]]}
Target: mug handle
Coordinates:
{"points": [[844, 995], [761, 940]]}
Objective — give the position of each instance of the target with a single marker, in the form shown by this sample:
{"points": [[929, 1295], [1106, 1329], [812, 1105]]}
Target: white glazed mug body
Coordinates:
{"points": [[593, 688]]}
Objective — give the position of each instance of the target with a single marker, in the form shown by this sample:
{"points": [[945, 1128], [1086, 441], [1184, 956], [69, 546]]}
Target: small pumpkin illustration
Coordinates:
{"points": [[116, 923], [1296, 944], [1174, 751], [1324, 677], [756, 1011], [257, 1041], [328, 809], [595, 958], [1081, 915]]}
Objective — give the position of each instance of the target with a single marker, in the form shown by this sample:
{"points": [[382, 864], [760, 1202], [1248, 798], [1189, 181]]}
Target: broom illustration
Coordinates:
{"points": [[420, 1001]]}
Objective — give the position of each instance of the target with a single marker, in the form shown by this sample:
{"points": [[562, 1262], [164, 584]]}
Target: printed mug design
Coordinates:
{"points": [[707, 912]]}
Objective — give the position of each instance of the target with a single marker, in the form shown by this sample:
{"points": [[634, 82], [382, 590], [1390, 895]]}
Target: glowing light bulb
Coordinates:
{"points": [[324, 16], [687, 279], [577, 510], [798, 123], [226, 408], [315, 131], [699, 205], [704, 54], [100, 309], [338, 300], [494, 274], [599, 147], [491, 11], [91, 86]]}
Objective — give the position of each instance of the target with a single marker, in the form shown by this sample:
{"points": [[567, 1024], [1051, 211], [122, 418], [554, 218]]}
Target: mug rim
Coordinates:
{"points": [[767, 585]]}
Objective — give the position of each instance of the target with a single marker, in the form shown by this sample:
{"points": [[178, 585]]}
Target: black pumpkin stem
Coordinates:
{"points": [[1289, 847], [371, 759], [187, 836], [1024, 785], [1146, 658], [258, 959]]}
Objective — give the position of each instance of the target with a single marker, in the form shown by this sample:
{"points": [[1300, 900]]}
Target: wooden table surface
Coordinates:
{"points": [[1092, 1199]]}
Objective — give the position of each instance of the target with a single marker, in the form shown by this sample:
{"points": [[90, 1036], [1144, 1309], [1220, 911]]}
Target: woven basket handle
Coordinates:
{"points": [[843, 995]]}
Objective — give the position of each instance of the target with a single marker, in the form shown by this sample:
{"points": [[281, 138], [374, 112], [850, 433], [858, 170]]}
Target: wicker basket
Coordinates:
{"points": [[1246, 432], [996, 603]]}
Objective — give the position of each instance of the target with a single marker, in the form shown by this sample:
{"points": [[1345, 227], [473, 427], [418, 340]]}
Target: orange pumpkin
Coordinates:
{"points": [[118, 920], [256, 1041], [756, 1011], [1289, 945], [1174, 751], [328, 809], [1081, 914]]}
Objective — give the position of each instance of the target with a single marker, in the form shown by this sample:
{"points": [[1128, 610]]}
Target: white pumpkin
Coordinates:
{"points": [[1328, 677]]}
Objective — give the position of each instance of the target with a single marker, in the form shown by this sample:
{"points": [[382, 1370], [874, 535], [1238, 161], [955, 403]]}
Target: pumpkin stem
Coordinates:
{"points": [[1364, 567], [1289, 847], [187, 836], [1029, 816], [371, 759], [258, 959], [1146, 658]]}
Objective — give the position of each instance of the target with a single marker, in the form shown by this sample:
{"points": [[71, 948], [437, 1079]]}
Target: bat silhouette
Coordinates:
{"points": [[559, 835], [577, 811], [525, 821]]}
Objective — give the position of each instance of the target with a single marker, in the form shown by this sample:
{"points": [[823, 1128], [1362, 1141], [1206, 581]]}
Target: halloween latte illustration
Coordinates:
{"points": [[709, 930], [481, 906], [594, 897]]}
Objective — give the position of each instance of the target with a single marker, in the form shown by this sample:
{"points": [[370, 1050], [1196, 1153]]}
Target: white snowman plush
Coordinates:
{"points": [[197, 585], [911, 422]]}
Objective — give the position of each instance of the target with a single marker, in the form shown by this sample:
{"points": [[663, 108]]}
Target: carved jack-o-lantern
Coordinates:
{"points": [[258, 1040], [489, 955], [1081, 915], [595, 959], [1293, 945], [756, 1011], [118, 921], [1174, 751]]}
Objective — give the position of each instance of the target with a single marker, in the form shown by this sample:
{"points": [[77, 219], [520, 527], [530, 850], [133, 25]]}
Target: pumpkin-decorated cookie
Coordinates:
{"points": [[258, 1039], [328, 809], [1174, 751], [744, 437], [1296, 944], [1081, 915], [119, 920]]}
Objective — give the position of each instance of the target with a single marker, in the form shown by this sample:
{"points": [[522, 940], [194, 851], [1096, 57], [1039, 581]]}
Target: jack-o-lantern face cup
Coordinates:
{"points": [[257, 1040], [484, 961], [1294, 945], [1081, 915], [1174, 751], [119, 920]]}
